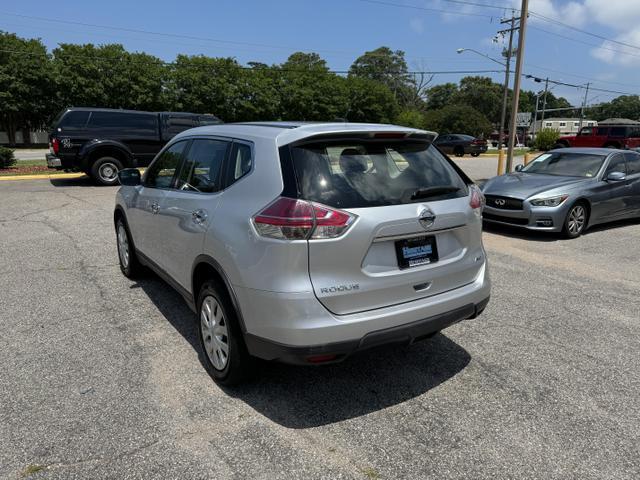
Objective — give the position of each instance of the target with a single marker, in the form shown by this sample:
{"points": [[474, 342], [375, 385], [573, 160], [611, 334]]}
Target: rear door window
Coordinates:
{"points": [[373, 173], [200, 171], [240, 163], [73, 119], [618, 131], [633, 163]]}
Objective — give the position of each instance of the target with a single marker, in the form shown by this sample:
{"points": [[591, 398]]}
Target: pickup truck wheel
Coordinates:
{"points": [[105, 170], [129, 264], [225, 353]]}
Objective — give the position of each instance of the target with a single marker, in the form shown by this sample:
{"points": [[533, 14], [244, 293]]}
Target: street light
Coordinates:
{"points": [[505, 94]]}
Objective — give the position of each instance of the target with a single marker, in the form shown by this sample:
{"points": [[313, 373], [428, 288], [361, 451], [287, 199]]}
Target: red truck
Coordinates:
{"points": [[624, 136]]}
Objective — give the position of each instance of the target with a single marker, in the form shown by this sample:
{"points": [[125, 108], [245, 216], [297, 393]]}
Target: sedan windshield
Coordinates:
{"points": [[568, 164]]}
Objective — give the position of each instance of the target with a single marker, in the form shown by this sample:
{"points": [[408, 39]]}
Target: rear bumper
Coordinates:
{"points": [[53, 161], [335, 352], [290, 327]]}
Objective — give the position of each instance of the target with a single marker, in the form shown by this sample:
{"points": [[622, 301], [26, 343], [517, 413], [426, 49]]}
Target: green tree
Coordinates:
{"points": [[203, 84], [411, 118], [483, 95], [26, 86], [440, 95], [457, 119], [309, 91], [370, 101], [624, 106], [388, 67]]}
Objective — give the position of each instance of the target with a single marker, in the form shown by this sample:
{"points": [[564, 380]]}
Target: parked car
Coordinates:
{"points": [[102, 141], [305, 243], [607, 136], [567, 190], [459, 145]]}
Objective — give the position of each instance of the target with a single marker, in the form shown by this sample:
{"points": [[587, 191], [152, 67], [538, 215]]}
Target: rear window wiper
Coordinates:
{"points": [[433, 192]]}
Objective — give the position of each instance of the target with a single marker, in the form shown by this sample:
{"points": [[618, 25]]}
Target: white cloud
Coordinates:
{"points": [[606, 54]]}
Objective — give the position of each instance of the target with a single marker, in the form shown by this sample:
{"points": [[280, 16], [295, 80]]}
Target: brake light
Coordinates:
{"points": [[477, 197], [55, 145], [294, 219]]}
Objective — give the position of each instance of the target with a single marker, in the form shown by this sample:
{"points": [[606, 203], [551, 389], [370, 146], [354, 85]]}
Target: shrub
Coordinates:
{"points": [[6, 158], [410, 118], [546, 139]]}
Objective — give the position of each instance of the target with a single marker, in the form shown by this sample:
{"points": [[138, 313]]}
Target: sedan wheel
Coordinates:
{"points": [[576, 221]]}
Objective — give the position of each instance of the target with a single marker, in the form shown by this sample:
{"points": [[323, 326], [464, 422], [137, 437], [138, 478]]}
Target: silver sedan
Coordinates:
{"points": [[567, 190]]}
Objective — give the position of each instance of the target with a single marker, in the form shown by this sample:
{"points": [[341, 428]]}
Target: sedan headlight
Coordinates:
{"points": [[548, 202]]}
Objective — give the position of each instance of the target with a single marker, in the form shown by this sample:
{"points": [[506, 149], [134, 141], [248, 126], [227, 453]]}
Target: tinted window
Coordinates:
{"points": [[587, 131], [617, 131], [128, 121], [633, 163], [178, 123], [163, 169], [566, 164], [74, 119], [200, 171], [209, 120], [369, 174], [240, 162], [601, 131], [616, 164]]}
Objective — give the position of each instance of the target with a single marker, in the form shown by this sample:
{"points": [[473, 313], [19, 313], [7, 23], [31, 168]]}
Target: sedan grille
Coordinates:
{"points": [[500, 218], [504, 203]]}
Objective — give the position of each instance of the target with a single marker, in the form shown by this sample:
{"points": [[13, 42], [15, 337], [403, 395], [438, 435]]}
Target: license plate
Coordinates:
{"points": [[413, 252]]}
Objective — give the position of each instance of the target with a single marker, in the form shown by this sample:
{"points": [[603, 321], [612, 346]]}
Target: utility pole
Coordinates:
{"points": [[505, 94], [524, 12], [584, 104]]}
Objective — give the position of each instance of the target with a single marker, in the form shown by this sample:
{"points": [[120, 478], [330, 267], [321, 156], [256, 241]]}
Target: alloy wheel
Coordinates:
{"points": [[123, 246], [577, 218], [215, 335]]}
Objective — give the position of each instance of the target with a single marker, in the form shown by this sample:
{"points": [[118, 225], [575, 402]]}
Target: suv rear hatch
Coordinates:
{"points": [[414, 229]]}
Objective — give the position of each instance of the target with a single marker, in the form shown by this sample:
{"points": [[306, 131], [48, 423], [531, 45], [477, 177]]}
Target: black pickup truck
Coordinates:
{"points": [[102, 141]]}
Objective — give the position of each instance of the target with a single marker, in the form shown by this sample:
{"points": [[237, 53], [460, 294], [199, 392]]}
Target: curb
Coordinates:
{"points": [[46, 176]]}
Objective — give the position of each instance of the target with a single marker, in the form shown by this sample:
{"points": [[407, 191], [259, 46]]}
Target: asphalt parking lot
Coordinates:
{"points": [[101, 376]]}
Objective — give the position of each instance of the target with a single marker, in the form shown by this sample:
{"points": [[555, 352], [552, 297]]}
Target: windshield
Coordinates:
{"points": [[372, 173], [568, 164]]}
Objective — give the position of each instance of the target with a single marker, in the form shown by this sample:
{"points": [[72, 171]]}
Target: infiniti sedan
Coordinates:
{"points": [[567, 190]]}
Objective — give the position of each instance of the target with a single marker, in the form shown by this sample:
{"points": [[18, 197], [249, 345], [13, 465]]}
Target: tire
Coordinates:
{"points": [[219, 331], [458, 152], [576, 220], [611, 145], [129, 264], [104, 171], [559, 145], [475, 154]]}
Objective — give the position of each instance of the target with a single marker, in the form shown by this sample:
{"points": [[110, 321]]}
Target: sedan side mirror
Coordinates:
{"points": [[129, 177], [616, 177], [518, 168]]}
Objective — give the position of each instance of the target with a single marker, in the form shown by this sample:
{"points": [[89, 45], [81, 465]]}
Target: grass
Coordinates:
{"points": [[370, 473], [32, 469]]}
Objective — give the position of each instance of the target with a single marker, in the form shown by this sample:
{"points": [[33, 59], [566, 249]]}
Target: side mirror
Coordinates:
{"points": [[129, 177], [616, 177], [518, 168]]}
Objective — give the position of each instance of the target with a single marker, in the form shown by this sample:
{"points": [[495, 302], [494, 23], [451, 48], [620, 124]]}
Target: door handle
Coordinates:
{"points": [[155, 208], [199, 216]]}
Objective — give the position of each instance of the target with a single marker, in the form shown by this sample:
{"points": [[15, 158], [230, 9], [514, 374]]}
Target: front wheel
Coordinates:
{"points": [[105, 171], [129, 264], [576, 220], [458, 152], [475, 154], [226, 356]]}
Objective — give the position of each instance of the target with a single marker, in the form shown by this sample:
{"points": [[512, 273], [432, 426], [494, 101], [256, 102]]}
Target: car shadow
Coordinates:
{"points": [[612, 225], [303, 397], [83, 181], [521, 233]]}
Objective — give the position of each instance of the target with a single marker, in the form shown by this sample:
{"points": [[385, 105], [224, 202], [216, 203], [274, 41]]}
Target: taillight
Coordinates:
{"points": [[55, 145], [477, 198], [294, 219]]}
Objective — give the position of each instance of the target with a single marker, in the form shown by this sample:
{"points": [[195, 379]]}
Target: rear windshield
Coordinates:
{"points": [[566, 164], [373, 173]]}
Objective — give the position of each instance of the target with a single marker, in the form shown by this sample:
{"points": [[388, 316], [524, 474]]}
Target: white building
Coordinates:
{"points": [[566, 126]]}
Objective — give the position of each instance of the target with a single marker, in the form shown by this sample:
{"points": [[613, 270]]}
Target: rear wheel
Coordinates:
{"points": [[104, 171], [612, 145], [226, 356], [458, 152], [475, 154], [576, 220]]}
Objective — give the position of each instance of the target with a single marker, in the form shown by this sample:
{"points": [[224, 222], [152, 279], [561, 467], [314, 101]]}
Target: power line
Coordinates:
{"points": [[427, 9]]}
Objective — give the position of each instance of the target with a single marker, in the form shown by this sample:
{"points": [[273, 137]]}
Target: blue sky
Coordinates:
{"points": [[340, 30]]}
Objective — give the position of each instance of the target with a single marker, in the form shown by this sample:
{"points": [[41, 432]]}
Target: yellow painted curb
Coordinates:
{"points": [[46, 176]]}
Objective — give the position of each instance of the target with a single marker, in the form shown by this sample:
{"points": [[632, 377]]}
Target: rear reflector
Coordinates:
{"points": [[477, 197], [321, 358], [294, 219]]}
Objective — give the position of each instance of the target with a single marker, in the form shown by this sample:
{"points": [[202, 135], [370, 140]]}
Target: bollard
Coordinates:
{"points": [[500, 161], [526, 159]]}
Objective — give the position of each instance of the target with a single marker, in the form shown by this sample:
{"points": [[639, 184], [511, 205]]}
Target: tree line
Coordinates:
{"points": [[36, 84]]}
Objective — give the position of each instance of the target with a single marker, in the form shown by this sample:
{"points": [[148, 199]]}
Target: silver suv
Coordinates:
{"points": [[305, 243]]}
